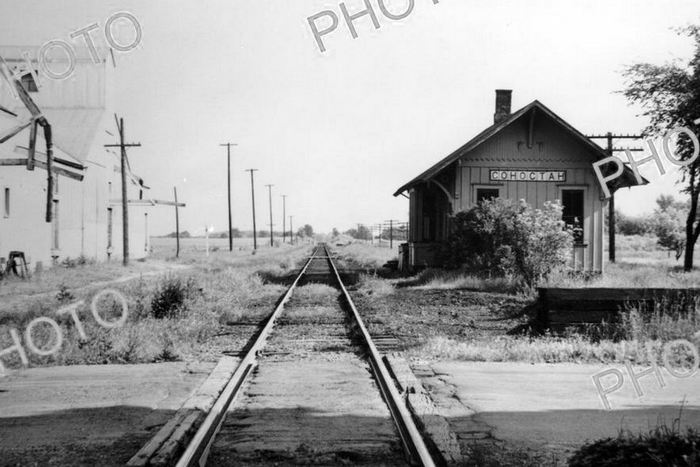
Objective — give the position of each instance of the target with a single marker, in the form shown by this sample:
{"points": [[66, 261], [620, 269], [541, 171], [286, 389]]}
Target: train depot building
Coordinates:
{"points": [[531, 154]]}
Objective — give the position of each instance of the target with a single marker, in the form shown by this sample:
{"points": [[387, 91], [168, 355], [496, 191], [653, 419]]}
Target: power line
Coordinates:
{"points": [[610, 150], [125, 202]]}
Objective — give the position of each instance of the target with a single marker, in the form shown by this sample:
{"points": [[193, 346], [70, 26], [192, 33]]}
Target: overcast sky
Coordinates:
{"points": [[339, 131]]}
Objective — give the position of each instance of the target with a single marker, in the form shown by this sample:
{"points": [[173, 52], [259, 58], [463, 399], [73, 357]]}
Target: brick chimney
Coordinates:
{"points": [[503, 97]]}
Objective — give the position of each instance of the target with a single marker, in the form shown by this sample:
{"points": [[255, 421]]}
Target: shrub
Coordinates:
{"points": [[662, 446], [498, 238], [172, 296], [669, 226], [629, 225]]}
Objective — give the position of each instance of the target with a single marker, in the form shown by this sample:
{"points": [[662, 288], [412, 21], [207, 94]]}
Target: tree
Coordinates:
{"points": [[670, 97], [669, 224], [335, 232], [306, 231], [360, 233]]}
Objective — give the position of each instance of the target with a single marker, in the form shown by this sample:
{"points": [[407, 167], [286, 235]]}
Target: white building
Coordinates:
{"points": [[86, 202]]}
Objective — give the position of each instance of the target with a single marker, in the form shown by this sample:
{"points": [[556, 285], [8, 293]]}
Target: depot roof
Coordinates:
{"points": [[627, 179]]}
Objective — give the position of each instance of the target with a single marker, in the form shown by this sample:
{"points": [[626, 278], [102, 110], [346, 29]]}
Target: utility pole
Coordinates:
{"points": [[177, 225], [125, 201], [391, 232], [610, 150], [230, 221], [284, 218], [252, 192], [272, 239], [291, 230]]}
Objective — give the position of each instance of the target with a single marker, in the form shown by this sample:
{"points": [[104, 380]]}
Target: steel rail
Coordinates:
{"points": [[198, 449], [410, 436]]}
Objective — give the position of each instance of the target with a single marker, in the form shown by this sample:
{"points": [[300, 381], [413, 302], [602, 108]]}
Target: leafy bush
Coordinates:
{"points": [[172, 296], [498, 238], [630, 225], [669, 224]]}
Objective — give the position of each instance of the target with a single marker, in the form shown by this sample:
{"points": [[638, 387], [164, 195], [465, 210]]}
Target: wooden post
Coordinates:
{"points": [[291, 230], [611, 209], [177, 226], [284, 218], [252, 193], [230, 219], [272, 240], [125, 201], [391, 235], [49, 170]]}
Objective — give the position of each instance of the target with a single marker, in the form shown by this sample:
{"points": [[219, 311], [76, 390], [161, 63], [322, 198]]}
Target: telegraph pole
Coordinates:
{"points": [[284, 218], [291, 230], [177, 225], [125, 201], [610, 150], [272, 239], [252, 192], [230, 221]]}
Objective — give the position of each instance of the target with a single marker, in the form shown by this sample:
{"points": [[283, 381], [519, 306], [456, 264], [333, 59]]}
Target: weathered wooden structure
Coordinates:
{"points": [[560, 308], [532, 155]]}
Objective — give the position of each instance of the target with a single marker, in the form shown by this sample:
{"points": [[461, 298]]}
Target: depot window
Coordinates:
{"points": [[483, 194], [573, 204]]}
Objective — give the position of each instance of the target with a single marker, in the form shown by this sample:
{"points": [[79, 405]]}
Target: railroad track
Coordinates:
{"points": [[311, 389]]}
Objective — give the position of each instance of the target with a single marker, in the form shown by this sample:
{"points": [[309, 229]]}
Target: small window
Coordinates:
{"points": [[6, 211], [28, 83], [572, 202], [486, 193]]}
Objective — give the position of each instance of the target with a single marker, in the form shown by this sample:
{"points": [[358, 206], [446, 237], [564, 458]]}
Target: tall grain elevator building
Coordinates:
{"points": [[531, 154], [86, 199]]}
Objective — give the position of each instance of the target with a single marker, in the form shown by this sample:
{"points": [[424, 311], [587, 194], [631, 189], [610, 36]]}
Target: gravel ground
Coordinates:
{"points": [[415, 315]]}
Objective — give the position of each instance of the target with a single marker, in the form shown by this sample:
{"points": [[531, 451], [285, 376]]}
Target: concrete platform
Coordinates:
{"points": [[89, 415], [553, 407]]}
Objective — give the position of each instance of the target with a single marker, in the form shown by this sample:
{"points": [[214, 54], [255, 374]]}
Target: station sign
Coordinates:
{"points": [[525, 175]]}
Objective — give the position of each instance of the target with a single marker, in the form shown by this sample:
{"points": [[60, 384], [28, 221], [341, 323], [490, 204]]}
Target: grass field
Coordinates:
{"points": [[452, 315], [176, 307]]}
